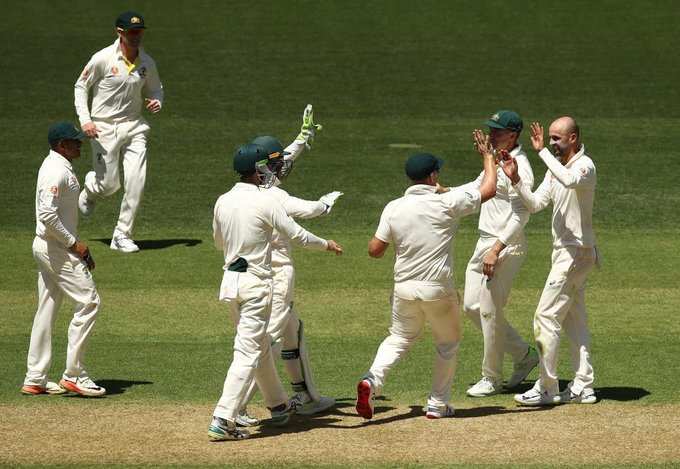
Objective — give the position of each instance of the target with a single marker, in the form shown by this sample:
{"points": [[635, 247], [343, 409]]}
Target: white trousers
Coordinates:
{"points": [[484, 301], [408, 318], [252, 350], [126, 140], [283, 325], [562, 305], [60, 272]]}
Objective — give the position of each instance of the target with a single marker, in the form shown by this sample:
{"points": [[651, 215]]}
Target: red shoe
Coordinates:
{"points": [[365, 399]]}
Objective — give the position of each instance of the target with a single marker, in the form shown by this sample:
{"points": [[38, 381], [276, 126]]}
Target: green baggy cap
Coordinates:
{"points": [[420, 165], [130, 20], [64, 131], [508, 120]]}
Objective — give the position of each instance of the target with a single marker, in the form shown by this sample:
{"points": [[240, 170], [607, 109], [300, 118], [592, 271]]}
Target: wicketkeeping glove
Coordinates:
{"points": [[309, 128], [329, 199]]}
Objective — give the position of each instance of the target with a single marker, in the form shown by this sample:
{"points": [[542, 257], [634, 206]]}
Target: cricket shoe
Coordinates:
{"points": [[439, 412], [83, 386], [85, 203], [123, 243], [484, 387], [523, 368], [51, 388], [245, 420], [222, 429], [314, 407], [281, 414], [365, 397], [534, 398], [567, 396]]}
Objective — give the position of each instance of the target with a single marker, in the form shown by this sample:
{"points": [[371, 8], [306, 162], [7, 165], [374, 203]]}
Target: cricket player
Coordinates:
{"points": [[569, 184], [64, 265], [285, 330], [243, 225], [421, 225], [498, 256], [121, 78]]}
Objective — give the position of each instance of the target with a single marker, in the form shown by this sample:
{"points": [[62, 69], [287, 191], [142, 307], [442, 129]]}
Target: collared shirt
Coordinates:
{"points": [[118, 87], [421, 226], [295, 208], [56, 200], [504, 216], [571, 189], [243, 225]]}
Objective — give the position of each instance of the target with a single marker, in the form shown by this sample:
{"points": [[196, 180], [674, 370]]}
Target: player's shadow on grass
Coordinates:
{"points": [[621, 393], [608, 393], [149, 244], [114, 386]]}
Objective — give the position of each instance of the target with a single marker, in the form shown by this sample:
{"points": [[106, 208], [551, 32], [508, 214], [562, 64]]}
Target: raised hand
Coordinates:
{"points": [[482, 142], [509, 166], [537, 136]]}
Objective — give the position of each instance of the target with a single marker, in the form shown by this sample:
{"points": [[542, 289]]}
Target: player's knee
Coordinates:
{"points": [[447, 350]]}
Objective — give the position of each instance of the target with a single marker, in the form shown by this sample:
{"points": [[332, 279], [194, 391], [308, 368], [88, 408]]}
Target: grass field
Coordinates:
{"points": [[378, 73]]}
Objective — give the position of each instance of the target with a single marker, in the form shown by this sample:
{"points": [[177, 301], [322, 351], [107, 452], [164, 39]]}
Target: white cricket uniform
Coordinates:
{"points": [[571, 189], [59, 272], [118, 89], [421, 225], [243, 226], [501, 218]]}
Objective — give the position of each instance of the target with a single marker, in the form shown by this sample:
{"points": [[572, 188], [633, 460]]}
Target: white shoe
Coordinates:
{"points": [[533, 397], [85, 204], [438, 412], [83, 386], [123, 243], [245, 420], [523, 368], [315, 407], [567, 396], [281, 414], [222, 429], [50, 387], [484, 387]]}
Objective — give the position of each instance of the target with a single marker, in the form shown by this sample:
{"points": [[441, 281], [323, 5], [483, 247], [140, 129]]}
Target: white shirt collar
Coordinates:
{"points": [[420, 189], [246, 186], [516, 151], [60, 158], [581, 151]]}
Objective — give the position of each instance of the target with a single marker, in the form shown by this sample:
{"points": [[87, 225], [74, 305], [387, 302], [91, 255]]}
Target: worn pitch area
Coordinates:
{"points": [[176, 434]]}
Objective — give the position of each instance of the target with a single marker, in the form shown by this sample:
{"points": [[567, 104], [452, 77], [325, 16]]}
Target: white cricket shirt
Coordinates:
{"points": [[243, 226], [421, 226], [56, 200], [504, 216], [118, 88], [571, 189], [295, 208]]}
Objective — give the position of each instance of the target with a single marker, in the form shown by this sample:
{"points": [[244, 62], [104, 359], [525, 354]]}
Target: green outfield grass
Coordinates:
{"points": [[378, 73]]}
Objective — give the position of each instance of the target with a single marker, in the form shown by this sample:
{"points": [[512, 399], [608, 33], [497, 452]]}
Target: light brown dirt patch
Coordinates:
{"points": [[172, 434]]}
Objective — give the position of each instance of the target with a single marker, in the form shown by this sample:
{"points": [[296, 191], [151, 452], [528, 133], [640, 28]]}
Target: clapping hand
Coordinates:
{"points": [[482, 143]]}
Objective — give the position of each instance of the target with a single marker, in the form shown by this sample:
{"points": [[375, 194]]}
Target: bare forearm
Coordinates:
{"points": [[488, 187]]}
